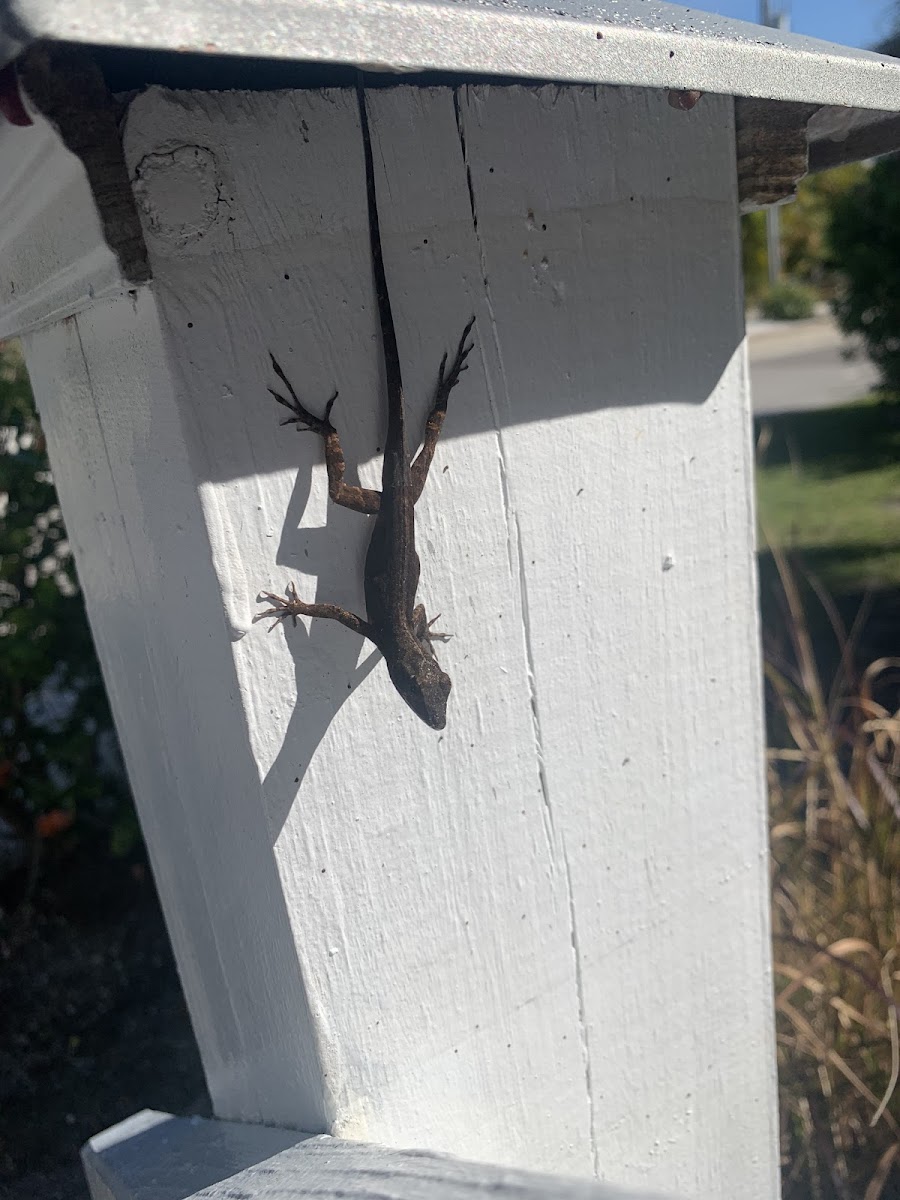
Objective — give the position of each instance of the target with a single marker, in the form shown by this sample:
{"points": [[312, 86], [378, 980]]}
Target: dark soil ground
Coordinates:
{"points": [[93, 1025]]}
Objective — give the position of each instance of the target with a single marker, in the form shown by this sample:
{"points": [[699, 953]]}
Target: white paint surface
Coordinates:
{"points": [[154, 1156], [53, 260], [539, 938]]}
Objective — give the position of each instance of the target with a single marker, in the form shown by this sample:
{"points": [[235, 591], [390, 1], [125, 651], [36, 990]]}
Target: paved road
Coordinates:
{"points": [[797, 365]]}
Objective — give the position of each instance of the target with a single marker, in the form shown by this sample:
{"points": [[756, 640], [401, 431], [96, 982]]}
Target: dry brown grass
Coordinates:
{"points": [[834, 774]]}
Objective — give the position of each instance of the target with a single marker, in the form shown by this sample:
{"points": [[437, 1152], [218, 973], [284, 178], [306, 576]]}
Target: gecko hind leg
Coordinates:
{"points": [[445, 385], [360, 499]]}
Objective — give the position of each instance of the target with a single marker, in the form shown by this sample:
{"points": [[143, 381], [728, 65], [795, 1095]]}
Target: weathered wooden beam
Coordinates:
{"points": [[842, 135], [67, 87], [772, 150]]}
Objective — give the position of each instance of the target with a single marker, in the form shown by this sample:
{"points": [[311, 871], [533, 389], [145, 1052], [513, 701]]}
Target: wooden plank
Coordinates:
{"points": [[53, 259], [626, 455], [428, 973], [153, 1156], [67, 87], [429, 921], [773, 151], [132, 509]]}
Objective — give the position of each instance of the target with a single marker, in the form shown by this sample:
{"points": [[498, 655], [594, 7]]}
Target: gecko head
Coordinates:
{"points": [[424, 687]]}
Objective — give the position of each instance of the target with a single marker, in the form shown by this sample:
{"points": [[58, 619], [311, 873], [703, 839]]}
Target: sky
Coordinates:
{"points": [[850, 22]]}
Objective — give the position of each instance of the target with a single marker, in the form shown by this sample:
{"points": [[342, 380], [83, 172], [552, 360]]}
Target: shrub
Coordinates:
{"points": [[805, 223], [788, 300], [865, 246], [834, 775], [754, 256], [61, 779]]}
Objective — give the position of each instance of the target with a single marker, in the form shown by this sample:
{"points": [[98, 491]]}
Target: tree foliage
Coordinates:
{"points": [[865, 246], [804, 225], [60, 771], [754, 255]]}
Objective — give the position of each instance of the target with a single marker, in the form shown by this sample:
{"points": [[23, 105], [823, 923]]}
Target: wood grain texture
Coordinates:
{"points": [[539, 938], [773, 151]]}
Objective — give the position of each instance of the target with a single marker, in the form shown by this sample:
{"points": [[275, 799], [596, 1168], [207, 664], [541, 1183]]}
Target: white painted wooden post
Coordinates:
{"points": [[539, 938]]}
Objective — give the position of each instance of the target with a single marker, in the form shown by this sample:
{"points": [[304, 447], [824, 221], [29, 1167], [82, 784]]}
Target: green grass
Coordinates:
{"points": [[829, 487]]}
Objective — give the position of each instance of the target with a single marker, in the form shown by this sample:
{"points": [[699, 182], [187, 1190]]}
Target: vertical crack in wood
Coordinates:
{"points": [[553, 837], [516, 553], [582, 1012]]}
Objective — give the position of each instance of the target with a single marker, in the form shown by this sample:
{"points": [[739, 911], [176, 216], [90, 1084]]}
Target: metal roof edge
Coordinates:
{"points": [[626, 42]]}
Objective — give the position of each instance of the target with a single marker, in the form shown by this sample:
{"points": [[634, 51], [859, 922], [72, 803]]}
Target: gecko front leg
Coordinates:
{"points": [[292, 606]]}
